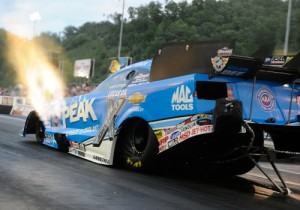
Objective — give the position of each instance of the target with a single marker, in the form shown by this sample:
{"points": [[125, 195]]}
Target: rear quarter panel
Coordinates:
{"points": [[270, 100], [160, 102]]}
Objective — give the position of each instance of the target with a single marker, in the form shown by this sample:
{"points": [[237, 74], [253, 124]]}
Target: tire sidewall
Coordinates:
{"points": [[131, 158]]}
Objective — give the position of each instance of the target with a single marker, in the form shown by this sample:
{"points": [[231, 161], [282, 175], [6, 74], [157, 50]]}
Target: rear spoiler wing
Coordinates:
{"points": [[182, 58], [248, 68], [178, 59]]}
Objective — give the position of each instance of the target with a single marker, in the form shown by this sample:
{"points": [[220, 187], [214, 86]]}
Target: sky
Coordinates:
{"points": [[28, 18]]}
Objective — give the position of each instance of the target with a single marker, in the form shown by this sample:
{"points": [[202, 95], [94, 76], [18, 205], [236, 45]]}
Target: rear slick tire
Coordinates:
{"points": [[244, 164]]}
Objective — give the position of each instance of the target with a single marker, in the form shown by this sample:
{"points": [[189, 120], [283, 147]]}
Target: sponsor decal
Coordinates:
{"points": [[193, 118], [55, 121], [117, 93], [267, 60], [79, 111], [298, 99], [198, 116], [80, 153], [224, 52], [201, 130], [136, 109], [220, 61], [234, 71], [182, 99], [100, 159], [184, 136], [48, 136], [159, 134], [49, 140], [203, 122], [277, 60], [265, 99], [163, 140], [77, 146], [140, 78], [162, 148], [82, 131], [137, 98], [193, 126], [188, 126], [117, 86], [173, 142], [175, 135], [136, 164], [107, 125], [169, 130], [230, 93]]}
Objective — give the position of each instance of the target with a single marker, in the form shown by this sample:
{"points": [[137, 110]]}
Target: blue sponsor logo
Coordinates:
{"points": [[174, 135]]}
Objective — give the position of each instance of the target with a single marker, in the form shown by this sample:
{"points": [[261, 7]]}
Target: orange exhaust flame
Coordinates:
{"points": [[35, 72]]}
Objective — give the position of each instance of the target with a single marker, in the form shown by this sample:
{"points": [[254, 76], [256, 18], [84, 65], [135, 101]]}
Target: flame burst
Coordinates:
{"points": [[36, 73]]}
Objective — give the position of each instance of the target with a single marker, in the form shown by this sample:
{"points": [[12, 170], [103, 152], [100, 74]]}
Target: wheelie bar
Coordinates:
{"points": [[285, 189]]}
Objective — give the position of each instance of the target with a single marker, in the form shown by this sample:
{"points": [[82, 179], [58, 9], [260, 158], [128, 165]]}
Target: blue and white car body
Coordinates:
{"points": [[176, 94]]}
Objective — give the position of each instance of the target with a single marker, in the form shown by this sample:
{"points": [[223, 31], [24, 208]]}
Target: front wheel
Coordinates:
{"points": [[40, 132], [138, 146]]}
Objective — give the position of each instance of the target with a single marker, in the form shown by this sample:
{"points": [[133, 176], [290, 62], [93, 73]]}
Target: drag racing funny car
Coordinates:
{"points": [[194, 103]]}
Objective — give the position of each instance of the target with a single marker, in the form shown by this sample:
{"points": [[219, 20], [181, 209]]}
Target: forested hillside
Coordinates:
{"points": [[252, 23]]}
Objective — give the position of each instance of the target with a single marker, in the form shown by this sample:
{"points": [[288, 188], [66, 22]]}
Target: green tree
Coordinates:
{"points": [[254, 24]]}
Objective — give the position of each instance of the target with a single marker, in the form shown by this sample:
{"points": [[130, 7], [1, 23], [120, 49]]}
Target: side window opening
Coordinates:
{"points": [[130, 75], [123, 79], [115, 82]]}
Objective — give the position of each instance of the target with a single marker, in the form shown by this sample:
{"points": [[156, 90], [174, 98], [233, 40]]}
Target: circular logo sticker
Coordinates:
{"points": [[265, 99]]}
